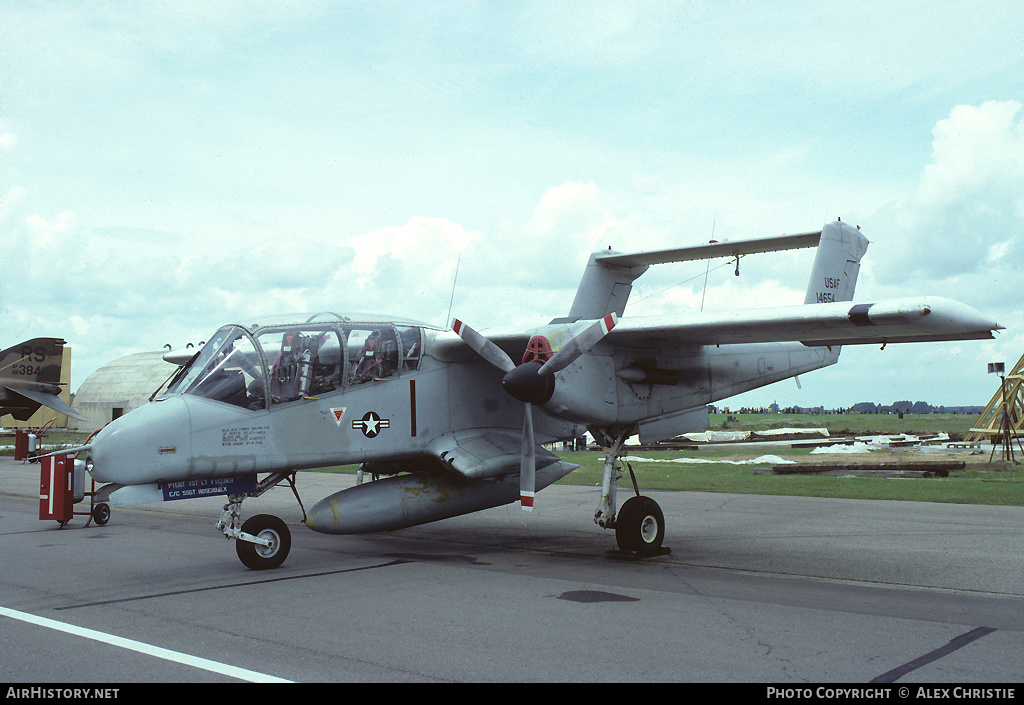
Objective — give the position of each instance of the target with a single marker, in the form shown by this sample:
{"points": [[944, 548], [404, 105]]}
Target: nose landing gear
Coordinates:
{"points": [[272, 542], [264, 540]]}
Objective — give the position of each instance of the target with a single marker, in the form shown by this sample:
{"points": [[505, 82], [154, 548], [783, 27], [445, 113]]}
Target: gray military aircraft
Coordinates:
{"points": [[30, 378], [449, 422]]}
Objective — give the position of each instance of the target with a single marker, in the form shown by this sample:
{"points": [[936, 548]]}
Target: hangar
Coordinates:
{"points": [[118, 387]]}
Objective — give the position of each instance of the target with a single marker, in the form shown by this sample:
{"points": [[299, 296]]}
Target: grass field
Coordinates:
{"points": [[719, 471], [727, 470]]}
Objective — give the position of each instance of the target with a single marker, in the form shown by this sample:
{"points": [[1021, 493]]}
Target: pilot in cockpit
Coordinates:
{"points": [[378, 358], [370, 359]]}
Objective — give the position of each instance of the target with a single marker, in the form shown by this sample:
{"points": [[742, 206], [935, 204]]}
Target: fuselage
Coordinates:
{"points": [[338, 390]]}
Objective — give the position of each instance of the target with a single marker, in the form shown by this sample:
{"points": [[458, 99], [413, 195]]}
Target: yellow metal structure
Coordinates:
{"points": [[989, 425]]}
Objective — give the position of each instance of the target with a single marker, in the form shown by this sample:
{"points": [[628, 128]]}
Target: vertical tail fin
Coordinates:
{"points": [[36, 360], [30, 377], [836, 265], [604, 289]]}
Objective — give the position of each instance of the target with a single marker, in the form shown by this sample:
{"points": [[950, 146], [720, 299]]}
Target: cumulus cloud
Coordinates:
{"points": [[528, 272], [968, 209], [47, 232], [429, 244], [958, 235], [608, 32], [576, 216], [9, 201], [569, 206], [975, 150]]}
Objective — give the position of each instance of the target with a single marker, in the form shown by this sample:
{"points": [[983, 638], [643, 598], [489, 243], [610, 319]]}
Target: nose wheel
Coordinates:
{"points": [[263, 541], [274, 542]]}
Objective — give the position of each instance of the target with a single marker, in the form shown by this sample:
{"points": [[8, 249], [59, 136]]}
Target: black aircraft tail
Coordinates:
{"points": [[30, 377], [36, 360]]}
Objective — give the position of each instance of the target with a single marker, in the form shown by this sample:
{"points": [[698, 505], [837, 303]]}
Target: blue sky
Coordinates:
{"points": [[166, 168]]}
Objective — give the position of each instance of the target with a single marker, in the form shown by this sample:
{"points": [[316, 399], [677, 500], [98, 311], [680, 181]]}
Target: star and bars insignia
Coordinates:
{"points": [[371, 424]]}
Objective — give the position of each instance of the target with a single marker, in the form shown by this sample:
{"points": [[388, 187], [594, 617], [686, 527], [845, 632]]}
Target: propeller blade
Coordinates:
{"points": [[528, 462], [579, 345], [484, 347], [532, 383]]}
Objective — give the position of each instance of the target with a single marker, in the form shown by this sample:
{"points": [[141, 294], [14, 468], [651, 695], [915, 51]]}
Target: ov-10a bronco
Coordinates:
{"points": [[453, 421]]}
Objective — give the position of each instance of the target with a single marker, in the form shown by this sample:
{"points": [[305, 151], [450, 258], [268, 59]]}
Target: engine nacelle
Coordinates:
{"points": [[585, 392], [418, 498]]}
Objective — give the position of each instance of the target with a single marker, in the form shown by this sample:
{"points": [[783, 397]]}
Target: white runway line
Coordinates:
{"points": [[143, 648]]}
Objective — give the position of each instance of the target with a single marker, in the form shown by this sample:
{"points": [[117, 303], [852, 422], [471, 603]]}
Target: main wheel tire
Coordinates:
{"points": [[101, 514], [640, 526], [264, 526]]}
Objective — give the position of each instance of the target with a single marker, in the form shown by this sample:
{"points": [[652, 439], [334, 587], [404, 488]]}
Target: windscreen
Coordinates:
{"points": [[228, 369]]}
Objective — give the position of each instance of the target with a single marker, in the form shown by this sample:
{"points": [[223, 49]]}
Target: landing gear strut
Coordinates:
{"points": [[264, 540], [640, 524]]}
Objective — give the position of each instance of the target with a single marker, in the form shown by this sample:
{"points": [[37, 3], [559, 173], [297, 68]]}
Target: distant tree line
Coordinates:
{"points": [[864, 407], [913, 407]]}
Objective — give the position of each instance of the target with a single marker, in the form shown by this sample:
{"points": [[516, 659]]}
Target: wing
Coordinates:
{"points": [[887, 321], [449, 347]]}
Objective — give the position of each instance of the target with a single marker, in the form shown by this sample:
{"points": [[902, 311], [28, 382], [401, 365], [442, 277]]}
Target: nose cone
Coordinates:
{"points": [[148, 444], [525, 384]]}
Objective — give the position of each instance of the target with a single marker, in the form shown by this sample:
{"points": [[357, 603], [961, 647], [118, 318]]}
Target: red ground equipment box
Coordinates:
{"points": [[56, 488], [20, 444]]}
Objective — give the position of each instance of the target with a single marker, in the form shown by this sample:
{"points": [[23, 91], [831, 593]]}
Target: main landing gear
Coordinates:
{"points": [[640, 523], [264, 540]]}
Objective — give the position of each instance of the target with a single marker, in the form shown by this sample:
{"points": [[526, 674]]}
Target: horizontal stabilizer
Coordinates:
{"points": [[733, 248], [48, 400], [608, 278]]}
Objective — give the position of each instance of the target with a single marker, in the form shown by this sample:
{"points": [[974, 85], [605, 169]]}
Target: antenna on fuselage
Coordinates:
{"points": [[448, 319], [708, 269]]}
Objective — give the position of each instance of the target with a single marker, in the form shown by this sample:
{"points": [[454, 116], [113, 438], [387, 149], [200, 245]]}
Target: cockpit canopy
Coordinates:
{"points": [[281, 360]]}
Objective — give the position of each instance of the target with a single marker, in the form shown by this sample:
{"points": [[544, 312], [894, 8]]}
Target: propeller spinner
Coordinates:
{"points": [[533, 383]]}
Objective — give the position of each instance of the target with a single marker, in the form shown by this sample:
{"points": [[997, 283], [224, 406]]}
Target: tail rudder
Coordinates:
{"points": [[836, 264], [36, 360]]}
